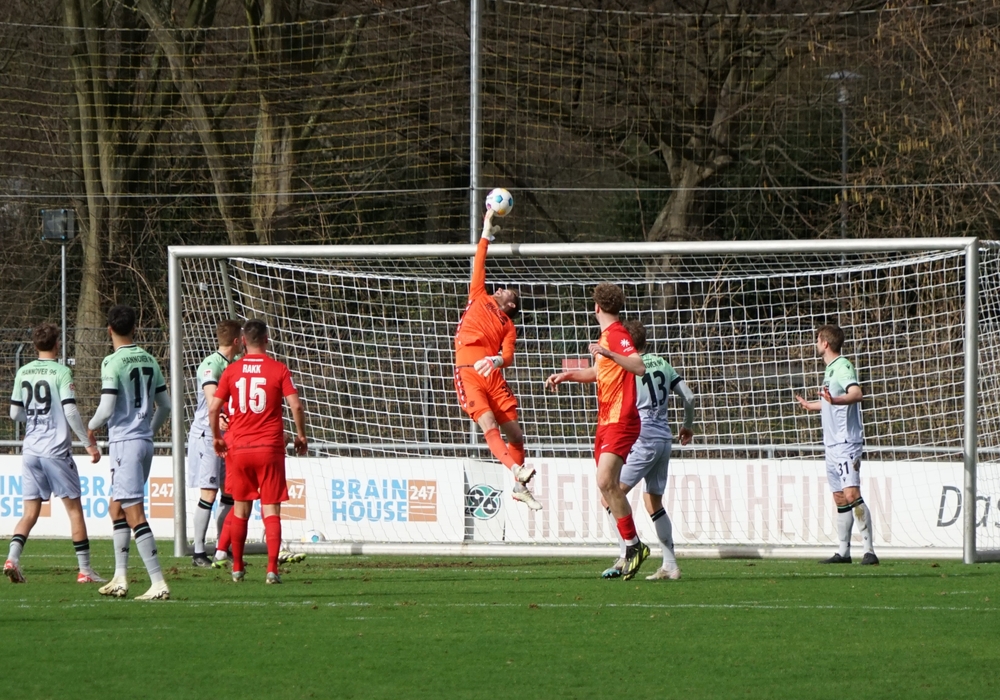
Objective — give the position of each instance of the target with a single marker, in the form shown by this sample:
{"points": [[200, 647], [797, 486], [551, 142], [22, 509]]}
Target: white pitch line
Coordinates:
{"points": [[579, 606]]}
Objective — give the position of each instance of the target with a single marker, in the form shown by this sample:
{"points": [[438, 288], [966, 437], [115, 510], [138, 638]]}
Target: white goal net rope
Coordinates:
{"points": [[392, 457]]}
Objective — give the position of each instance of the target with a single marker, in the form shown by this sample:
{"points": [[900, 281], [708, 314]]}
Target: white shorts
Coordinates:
{"points": [[205, 469], [843, 466], [649, 460], [44, 477], [130, 464]]}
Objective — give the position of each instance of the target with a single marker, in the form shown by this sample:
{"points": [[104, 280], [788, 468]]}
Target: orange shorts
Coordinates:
{"points": [[478, 394], [616, 438], [256, 474]]}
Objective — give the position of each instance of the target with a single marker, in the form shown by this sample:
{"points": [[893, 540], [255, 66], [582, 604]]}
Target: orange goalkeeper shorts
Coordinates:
{"points": [[478, 394]]}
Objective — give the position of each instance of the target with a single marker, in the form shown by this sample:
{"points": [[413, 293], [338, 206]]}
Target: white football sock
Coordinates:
{"points": [[146, 544], [16, 547], [845, 520], [863, 515], [121, 536], [83, 555], [665, 534], [202, 514]]}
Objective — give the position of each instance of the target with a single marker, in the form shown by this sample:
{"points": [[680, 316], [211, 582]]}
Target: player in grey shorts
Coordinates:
{"points": [[205, 469], [649, 458], [44, 398], [839, 405], [134, 404]]}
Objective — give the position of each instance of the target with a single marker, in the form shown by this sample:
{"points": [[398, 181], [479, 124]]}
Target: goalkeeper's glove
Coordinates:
{"points": [[486, 365], [489, 230]]}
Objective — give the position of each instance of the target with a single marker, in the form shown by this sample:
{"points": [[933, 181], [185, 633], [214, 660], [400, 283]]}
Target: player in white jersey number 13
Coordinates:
{"points": [[839, 404], [649, 458]]}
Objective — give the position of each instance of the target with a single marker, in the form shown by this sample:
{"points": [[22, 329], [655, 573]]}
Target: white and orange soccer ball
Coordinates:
{"points": [[500, 201]]}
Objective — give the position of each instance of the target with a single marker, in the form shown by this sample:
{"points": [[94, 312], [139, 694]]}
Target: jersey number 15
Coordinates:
{"points": [[257, 399]]}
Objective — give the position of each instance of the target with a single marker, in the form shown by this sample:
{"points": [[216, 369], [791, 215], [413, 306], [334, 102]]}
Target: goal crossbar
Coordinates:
{"points": [[968, 246]]}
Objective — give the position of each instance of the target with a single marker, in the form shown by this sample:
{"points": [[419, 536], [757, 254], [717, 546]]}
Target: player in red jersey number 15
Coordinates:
{"points": [[255, 388]]}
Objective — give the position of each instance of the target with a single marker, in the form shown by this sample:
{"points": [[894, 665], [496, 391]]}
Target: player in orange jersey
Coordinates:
{"points": [[616, 364], [484, 344]]}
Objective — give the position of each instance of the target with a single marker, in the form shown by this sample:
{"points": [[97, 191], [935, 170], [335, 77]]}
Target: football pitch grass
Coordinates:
{"points": [[381, 627]]}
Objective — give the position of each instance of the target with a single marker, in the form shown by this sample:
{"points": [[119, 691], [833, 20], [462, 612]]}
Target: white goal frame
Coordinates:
{"points": [[970, 247]]}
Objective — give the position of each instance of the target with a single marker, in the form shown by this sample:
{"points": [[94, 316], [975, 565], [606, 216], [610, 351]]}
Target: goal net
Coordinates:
{"points": [[394, 464]]}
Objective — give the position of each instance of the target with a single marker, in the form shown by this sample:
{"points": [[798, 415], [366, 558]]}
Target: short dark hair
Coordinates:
{"points": [[45, 336], [833, 335], [121, 318], [512, 313], [609, 297], [637, 330], [227, 331], [255, 331]]}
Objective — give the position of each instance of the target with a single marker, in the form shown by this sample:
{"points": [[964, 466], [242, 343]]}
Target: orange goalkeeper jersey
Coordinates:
{"points": [[484, 329]]}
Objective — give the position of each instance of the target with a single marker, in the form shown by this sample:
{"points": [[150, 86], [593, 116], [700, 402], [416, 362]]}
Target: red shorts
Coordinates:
{"points": [[616, 438], [478, 394], [253, 474]]}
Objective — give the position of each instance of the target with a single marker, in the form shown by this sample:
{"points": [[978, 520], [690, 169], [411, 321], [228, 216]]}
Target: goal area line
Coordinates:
{"points": [[480, 550]]}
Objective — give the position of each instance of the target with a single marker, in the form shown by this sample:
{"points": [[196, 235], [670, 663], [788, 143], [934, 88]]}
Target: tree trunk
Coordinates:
{"points": [[273, 165]]}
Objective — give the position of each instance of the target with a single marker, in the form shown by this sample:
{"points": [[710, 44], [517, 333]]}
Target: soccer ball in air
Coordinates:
{"points": [[313, 536], [500, 201]]}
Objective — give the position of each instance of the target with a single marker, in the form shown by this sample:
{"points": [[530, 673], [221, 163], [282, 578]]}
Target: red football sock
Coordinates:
{"points": [[516, 450], [626, 528], [238, 533], [225, 537], [499, 448], [272, 535]]}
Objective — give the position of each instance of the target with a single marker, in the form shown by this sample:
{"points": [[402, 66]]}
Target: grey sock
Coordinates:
{"points": [[146, 544], [121, 536], [202, 514], [665, 534]]}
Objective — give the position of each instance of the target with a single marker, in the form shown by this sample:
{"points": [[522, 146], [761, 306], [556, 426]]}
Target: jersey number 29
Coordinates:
{"points": [[41, 393]]}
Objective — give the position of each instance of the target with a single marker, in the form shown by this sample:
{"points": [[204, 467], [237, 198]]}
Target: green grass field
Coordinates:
{"points": [[357, 627]]}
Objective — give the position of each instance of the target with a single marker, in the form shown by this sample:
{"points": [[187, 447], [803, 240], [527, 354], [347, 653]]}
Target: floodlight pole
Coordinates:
{"points": [[63, 294], [59, 226], [474, 115], [843, 99]]}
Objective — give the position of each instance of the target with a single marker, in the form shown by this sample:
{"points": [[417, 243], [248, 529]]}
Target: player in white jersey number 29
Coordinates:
{"points": [[44, 399]]}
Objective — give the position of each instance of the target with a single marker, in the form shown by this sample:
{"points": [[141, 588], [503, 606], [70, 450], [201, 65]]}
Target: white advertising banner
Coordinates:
{"points": [[403, 500], [768, 503], [771, 503]]}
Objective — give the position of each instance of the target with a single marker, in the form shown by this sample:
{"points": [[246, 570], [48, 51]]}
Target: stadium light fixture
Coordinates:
{"points": [[59, 226], [843, 99]]}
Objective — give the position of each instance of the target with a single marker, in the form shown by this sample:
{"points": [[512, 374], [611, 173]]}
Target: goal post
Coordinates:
{"points": [[395, 466]]}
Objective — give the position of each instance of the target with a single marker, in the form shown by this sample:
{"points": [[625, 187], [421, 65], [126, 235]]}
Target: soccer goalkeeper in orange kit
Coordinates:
{"points": [[484, 345]]}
